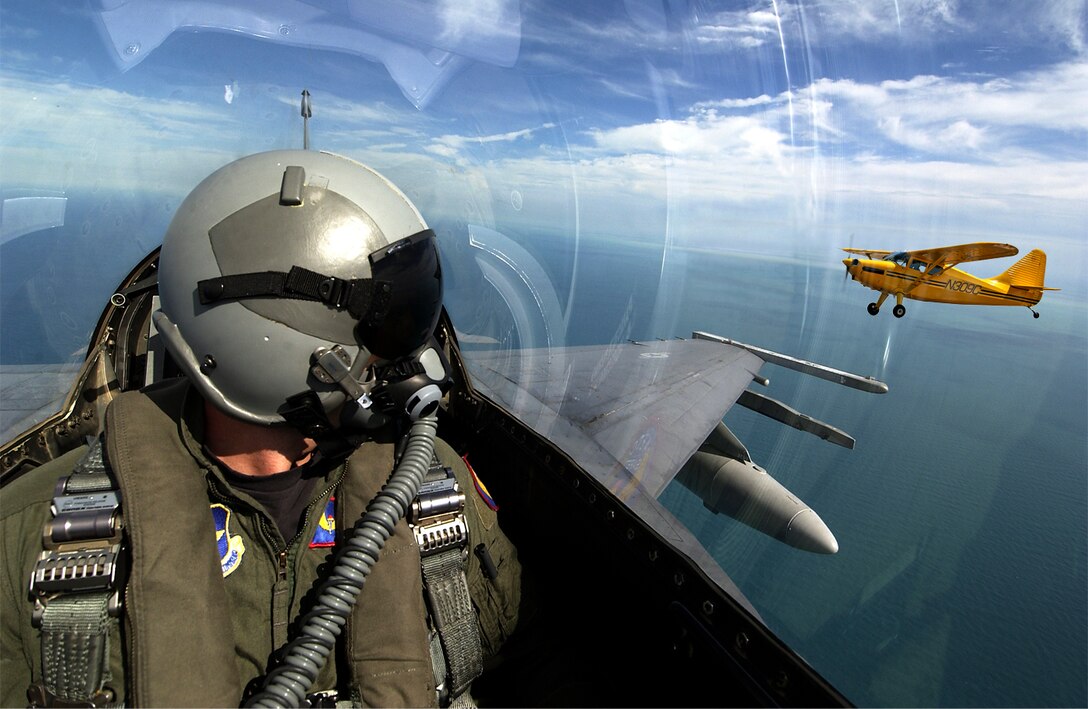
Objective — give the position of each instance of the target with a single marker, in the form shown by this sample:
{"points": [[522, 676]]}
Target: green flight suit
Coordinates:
{"points": [[198, 627]]}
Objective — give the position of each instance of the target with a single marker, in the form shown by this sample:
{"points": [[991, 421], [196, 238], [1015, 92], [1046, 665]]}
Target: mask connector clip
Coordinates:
{"points": [[333, 366]]}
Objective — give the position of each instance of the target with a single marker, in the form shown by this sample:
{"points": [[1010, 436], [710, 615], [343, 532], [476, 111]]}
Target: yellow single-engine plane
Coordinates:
{"points": [[930, 274]]}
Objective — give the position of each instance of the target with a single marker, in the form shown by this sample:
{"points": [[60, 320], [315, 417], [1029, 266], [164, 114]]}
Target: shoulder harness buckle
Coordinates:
{"points": [[437, 516], [76, 585]]}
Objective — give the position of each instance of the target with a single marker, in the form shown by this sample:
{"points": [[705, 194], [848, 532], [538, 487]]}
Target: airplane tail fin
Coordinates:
{"points": [[1028, 272]]}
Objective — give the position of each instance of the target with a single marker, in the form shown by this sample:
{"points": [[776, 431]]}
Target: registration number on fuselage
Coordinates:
{"points": [[963, 287]]}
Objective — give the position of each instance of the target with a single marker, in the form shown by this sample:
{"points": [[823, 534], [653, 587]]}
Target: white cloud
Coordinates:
{"points": [[452, 145], [1051, 99], [963, 156], [955, 138], [64, 135], [704, 137], [1051, 23], [1068, 20], [986, 118], [929, 157], [955, 152], [869, 20], [743, 29], [761, 100], [491, 19]]}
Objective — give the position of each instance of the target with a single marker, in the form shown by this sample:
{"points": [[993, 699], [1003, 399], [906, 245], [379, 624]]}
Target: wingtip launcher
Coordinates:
{"points": [[847, 379]]}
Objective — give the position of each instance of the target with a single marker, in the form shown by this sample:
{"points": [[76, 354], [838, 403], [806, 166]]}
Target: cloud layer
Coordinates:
{"points": [[922, 158]]}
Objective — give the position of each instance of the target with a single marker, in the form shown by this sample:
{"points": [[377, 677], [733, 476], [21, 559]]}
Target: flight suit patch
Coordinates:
{"points": [[481, 489], [231, 547], [325, 534]]}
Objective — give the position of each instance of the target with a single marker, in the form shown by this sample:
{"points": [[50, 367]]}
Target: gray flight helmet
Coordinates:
{"points": [[292, 217]]}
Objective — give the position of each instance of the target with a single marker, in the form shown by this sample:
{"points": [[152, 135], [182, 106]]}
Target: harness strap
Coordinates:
{"points": [[441, 531], [451, 608], [76, 585], [75, 646]]}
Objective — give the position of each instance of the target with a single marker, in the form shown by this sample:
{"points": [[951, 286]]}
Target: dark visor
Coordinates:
{"points": [[410, 308]]}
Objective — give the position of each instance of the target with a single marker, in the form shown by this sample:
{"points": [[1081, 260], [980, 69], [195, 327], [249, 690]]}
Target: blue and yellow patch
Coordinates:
{"points": [[325, 534], [231, 547]]}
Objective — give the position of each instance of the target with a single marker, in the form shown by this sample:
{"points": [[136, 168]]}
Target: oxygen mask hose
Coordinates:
{"points": [[288, 683]]}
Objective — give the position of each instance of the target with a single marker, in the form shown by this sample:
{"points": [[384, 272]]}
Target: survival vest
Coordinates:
{"points": [[179, 614]]}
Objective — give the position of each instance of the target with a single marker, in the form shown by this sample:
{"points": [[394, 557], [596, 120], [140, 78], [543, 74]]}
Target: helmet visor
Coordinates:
{"points": [[410, 270]]}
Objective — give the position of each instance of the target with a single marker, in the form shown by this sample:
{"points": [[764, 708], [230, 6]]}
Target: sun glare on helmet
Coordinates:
{"points": [[348, 242]]}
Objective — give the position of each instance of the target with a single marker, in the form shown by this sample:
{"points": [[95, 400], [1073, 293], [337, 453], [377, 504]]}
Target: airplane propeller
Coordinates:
{"points": [[846, 271]]}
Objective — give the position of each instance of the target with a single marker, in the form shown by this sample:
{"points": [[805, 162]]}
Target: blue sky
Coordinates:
{"points": [[765, 127]]}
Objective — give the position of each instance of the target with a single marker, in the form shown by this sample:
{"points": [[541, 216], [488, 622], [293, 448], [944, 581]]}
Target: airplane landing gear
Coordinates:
{"points": [[874, 308], [1033, 313], [899, 310]]}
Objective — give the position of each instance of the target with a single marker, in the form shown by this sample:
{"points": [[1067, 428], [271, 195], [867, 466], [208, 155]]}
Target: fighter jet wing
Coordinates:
{"points": [[632, 413]]}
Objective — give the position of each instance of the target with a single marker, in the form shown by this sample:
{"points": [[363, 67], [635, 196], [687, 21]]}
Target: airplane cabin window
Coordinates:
{"points": [[605, 180]]}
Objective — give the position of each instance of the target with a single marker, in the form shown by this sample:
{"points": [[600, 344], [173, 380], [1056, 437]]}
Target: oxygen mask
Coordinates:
{"points": [[383, 391]]}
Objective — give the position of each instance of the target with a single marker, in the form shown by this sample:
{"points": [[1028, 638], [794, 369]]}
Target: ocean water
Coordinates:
{"points": [[962, 513]]}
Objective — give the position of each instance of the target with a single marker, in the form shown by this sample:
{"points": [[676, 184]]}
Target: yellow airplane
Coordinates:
{"points": [[930, 274]]}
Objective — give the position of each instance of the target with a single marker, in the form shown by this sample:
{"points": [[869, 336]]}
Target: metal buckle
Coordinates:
{"points": [[437, 515], [92, 567], [82, 516], [435, 537], [38, 696], [82, 549], [335, 291]]}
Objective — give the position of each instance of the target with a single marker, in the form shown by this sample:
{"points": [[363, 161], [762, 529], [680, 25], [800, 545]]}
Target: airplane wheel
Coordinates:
{"points": [[899, 311], [873, 309], [1034, 314]]}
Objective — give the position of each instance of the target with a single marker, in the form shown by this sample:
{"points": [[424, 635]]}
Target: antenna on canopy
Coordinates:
{"points": [[307, 111]]}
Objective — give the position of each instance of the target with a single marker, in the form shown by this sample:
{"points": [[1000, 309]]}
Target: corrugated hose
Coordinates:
{"points": [[288, 683]]}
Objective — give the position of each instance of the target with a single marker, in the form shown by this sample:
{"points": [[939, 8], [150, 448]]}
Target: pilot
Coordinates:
{"points": [[207, 549]]}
